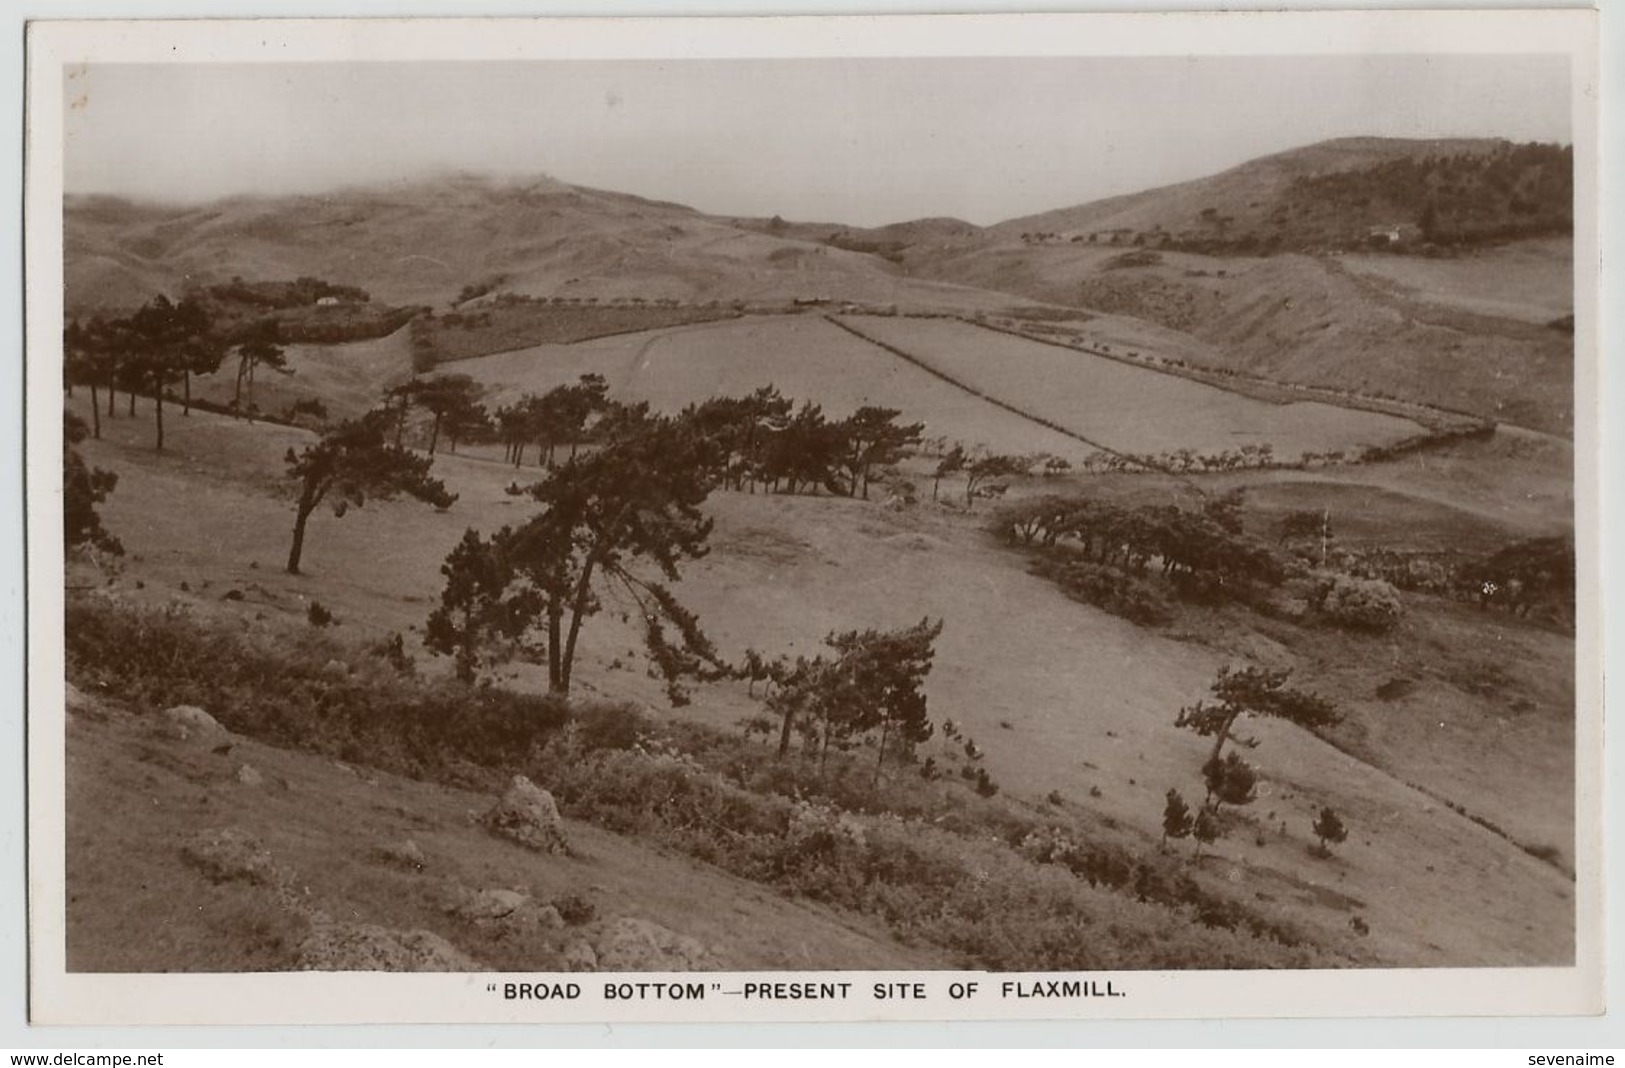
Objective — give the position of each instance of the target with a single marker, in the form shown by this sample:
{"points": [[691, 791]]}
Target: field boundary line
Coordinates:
{"points": [[973, 391], [1232, 383]]}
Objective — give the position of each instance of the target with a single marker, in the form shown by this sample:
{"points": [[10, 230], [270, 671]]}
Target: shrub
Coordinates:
{"points": [[609, 725], [319, 615], [155, 658], [1360, 604], [1107, 588]]}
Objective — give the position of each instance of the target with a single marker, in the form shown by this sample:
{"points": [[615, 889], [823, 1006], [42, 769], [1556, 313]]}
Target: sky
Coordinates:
{"points": [[859, 141]]}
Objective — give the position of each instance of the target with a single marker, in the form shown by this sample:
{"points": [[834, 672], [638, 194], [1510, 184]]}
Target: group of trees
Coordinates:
{"points": [[608, 517], [1227, 778], [614, 527], [160, 345], [868, 686], [562, 414], [763, 439], [1201, 552]]}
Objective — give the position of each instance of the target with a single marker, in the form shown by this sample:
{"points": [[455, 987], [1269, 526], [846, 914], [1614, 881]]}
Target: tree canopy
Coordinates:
{"points": [[349, 465]]}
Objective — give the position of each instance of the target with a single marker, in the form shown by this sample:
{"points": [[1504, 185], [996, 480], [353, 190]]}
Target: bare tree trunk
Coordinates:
{"points": [[880, 761], [784, 731], [578, 611], [95, 413], [186, 406], [300, 519], [158, 411], [555, 662]]}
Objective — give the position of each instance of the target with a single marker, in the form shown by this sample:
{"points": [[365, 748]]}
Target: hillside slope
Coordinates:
{"points": [[1335, 193], [362, 848], [428, 241]]}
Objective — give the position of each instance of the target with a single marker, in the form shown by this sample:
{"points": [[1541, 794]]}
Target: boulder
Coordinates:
{"points": [[231, 855], [365, 947], [406, 855], [249, 775], [506, 910], [578, 956], [187, 722], [629, 944], [527, 814]]}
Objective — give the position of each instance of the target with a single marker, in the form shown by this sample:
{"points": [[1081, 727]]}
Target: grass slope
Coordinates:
{"points": [[1062, 697]]}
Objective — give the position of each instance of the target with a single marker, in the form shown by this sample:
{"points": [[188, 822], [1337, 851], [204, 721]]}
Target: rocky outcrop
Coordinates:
{"points": [[527, 814], [364, 947], [228, 854], [507, 911], [630, 944], [190, 723]]}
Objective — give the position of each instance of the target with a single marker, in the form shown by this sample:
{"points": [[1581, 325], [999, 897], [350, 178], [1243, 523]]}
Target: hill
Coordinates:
{"points": [[445, 240], [1343, 193]]}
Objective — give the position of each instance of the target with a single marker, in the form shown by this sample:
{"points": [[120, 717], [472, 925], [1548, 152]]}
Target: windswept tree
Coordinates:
{"points": [[951, 463], [352, 463], [983, 474], [1253, 691], [618, 521], [871, 684], [260, 345], [873, 438]]}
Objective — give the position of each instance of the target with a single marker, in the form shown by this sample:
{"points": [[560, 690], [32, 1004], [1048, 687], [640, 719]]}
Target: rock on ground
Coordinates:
{"points": [[507, 910], [229, 855], [527, 814], [630, 944], [407, 855], [186, 722], [364, 947], [578, 956]]}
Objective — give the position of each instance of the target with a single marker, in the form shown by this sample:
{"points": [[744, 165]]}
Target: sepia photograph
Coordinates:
{"points": [[776, 520]]}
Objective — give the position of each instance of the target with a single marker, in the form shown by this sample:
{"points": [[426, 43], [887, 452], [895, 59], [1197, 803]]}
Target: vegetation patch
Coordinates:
{"points": [[509, 322]]}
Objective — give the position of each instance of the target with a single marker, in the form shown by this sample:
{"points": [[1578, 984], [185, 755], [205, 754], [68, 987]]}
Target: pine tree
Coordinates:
{"points": [[1328, 828], [351, 463], [1231, 781], [1205, 829], [1176, 818]]}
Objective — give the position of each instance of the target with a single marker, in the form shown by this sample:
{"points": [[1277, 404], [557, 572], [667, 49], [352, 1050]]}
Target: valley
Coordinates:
{"points": [[1389, 433]]}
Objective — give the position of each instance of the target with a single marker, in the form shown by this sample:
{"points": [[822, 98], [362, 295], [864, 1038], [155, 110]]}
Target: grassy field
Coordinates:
{"points": [[498, 326], [1531, 281], [1126, 408], [806, 357], [347, 379], [1062, 698]]}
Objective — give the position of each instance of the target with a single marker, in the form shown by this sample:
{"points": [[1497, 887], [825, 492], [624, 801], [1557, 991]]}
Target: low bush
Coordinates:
{"points": [[1107, 588], [154, 659], [982, 880], [1359, 604]]}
